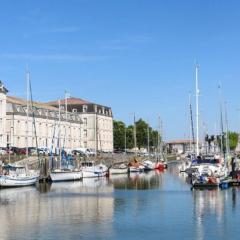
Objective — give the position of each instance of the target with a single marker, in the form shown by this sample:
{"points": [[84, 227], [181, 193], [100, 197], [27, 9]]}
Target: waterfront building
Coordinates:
{"points": [[97, 123], [48, 125], [180, 146]]}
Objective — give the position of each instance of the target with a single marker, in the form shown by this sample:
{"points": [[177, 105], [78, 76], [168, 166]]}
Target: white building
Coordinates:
{"points": [[46, 125]]}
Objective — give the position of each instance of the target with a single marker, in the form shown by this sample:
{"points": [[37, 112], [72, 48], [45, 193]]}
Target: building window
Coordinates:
{"points": [[85, 133], [85, 107], [85, 144], [74, 110], [85, 121]]}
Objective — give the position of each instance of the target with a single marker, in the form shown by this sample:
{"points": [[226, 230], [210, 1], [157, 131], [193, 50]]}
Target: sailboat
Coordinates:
{"points": [[161, 163], [90, 168], [135, 166], [208, 170], [68, 173], [14, 175]]}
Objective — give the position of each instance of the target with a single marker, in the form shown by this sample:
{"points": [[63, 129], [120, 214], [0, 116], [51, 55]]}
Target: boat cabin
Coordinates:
{"points": [[87, 163], [13, 169]]}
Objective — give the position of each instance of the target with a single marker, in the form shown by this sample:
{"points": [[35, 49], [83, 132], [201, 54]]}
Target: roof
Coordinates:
{"points": [[70, 101], [21, 101], [181, 141]]}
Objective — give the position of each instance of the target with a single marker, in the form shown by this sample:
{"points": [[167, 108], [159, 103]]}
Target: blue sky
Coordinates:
{"points": [[133, 55]]}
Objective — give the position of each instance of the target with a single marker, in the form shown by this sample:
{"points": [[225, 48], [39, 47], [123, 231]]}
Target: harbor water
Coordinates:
{"points": [[153, 205]]}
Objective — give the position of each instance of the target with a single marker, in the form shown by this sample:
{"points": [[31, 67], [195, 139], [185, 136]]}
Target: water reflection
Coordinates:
{"points": [[55, 208], [137, 181], [118, 208]]}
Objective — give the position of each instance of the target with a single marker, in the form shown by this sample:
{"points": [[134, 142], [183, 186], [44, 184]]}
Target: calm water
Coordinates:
{"points": [[152, 206]]}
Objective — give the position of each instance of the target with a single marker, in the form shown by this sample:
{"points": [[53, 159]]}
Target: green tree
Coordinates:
{"points": [[233, 140], [120, 129], [119, 134], [142, 133], [153, 138], [129, 137]]}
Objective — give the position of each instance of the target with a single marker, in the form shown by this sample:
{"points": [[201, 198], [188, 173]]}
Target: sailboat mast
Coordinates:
{"points": [[221, 120], [227, 134], [134, 134], [125, 139], [190, 123], [65, 137], [27, 79], [59, 132], [159, 141], [148, 140], [197, 111]]}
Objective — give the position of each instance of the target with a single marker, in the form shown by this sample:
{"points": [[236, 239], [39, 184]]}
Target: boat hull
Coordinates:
{"points": [[94, 171], [136, 169], [66, 176], [8, 181], [118, 170]]}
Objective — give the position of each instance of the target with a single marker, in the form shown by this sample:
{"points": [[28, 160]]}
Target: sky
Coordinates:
{"points": [[135, 56]]}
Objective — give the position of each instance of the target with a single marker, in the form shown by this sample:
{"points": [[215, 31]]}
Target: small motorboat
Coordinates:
{"points": [[90, 169], [205, 182], [135, 166], [118, 169], [18, 176], [58, 175], [149, 165]]}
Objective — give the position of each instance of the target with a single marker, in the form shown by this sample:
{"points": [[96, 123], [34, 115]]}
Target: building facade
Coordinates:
{"points": [[181, 146], [49, 125]]}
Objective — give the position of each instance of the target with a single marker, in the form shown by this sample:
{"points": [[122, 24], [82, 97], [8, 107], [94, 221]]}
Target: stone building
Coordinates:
{"points": [[48, 125], [180, 146]]}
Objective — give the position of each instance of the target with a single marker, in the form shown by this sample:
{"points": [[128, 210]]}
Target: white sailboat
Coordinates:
{"points": [[14, 175], [118, 169], [207, 171], [68, 173], [18, 176], [90, 169]]}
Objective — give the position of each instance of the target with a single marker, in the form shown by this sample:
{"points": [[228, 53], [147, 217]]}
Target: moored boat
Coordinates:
{"points": [[135, 166], [90, 169], [65, 175], [149, 165], [18, 176], [205, 182], [118, 169]]}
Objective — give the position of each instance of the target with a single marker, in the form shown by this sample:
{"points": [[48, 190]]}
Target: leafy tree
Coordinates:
{"points": [[119, 134], [233, 140], [129, 137], [141, 135]]}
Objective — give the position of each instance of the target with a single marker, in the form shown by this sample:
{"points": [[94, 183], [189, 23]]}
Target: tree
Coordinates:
{"points": [[119, 134], [129, 137], [233, 140], [120, 129], [142, 133]]}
